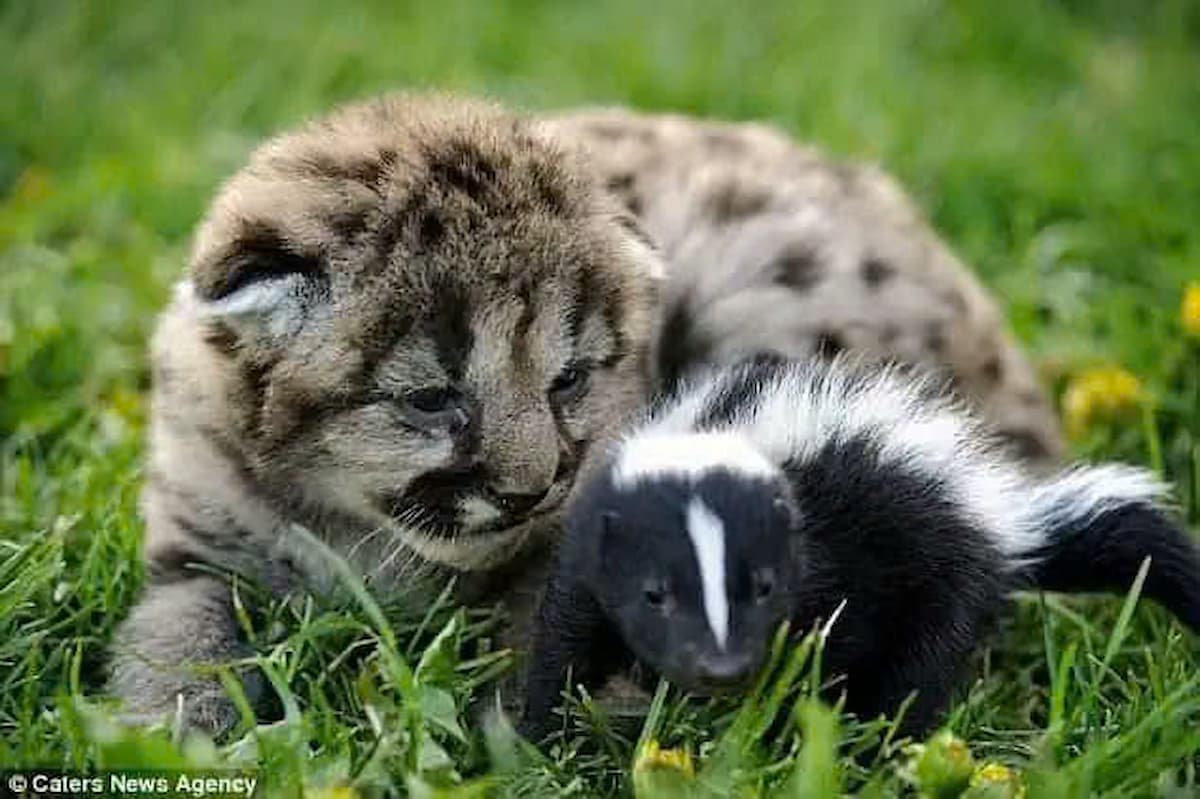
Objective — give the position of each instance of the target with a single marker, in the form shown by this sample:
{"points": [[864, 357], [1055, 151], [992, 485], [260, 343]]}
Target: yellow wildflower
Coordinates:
{"points": [[332, 792], [126, 404], [1102, 394], [659, 772], [995, 781], [32, 185], [653, 756], [941, 767], [1189, 312], [992, 772]]}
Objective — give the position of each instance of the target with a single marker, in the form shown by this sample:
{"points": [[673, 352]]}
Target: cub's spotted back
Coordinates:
{"points": [[774, 246]]}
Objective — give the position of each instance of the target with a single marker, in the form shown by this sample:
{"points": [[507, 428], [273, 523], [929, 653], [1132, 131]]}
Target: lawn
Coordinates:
{"points": [[1054, 143]]}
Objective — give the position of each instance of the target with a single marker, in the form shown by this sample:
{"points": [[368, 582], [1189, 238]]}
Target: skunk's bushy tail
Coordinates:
{"points": [[1097, 524]]}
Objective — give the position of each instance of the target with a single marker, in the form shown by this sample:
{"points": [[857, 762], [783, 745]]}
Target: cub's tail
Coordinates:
{"points": [[1092, 527]]}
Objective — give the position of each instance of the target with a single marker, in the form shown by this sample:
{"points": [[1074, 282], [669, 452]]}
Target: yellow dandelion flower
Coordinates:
{"points": [[1105, 393], [995, 781], [941, 767], [659, 772], [32, 185], [653, 756], [126, 404], [1189, 312], [331, 792], [993, 772]]}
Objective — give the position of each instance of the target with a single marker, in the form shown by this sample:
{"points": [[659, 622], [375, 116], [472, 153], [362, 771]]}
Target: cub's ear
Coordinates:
{"points": [[256, 283]]}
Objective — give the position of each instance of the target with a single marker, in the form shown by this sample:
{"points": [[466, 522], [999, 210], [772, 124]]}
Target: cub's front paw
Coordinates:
{"points": [[164, 653], [151, 697]]}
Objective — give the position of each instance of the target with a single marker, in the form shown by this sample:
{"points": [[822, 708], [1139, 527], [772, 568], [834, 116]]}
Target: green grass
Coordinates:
{"points": [[1054, 143]]}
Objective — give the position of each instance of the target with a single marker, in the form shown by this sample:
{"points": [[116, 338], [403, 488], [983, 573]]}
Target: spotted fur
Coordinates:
{"points": [[774, 246]]}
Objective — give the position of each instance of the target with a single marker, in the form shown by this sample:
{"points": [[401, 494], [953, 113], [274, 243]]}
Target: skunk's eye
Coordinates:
{"points": [[764, 584], [655, 594], [781, 506]]}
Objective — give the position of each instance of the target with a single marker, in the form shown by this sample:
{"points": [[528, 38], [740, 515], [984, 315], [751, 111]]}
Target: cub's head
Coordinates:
{"points": [[688, 543], [428, 312]]}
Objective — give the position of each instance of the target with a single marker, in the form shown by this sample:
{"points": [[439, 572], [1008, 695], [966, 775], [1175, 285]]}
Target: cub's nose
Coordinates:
{"points": [[722, 671], [517, 504]]}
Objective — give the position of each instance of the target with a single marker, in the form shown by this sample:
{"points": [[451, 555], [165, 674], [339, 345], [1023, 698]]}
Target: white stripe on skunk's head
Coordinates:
{"points": [[707, 534], [688, 455]]}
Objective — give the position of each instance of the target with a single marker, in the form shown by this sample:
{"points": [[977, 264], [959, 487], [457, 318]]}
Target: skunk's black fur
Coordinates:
{"points": [[779, 490]]}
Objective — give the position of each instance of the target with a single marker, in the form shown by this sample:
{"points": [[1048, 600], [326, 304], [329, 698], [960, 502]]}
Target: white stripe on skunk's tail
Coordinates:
{"points": [[1097, 524]]}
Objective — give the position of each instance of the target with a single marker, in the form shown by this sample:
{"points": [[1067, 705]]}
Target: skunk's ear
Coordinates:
{"points": [[256, 283], [608, 527], [610, 521]]}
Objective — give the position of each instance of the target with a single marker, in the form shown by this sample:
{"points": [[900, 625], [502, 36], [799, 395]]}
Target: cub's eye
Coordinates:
{"points": [[430, 400], [435, 407], [764, 584], [655, 594], [570, 383]]}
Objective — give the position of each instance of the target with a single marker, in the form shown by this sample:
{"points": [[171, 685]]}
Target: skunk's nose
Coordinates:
{"points": [[724, 670]]}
